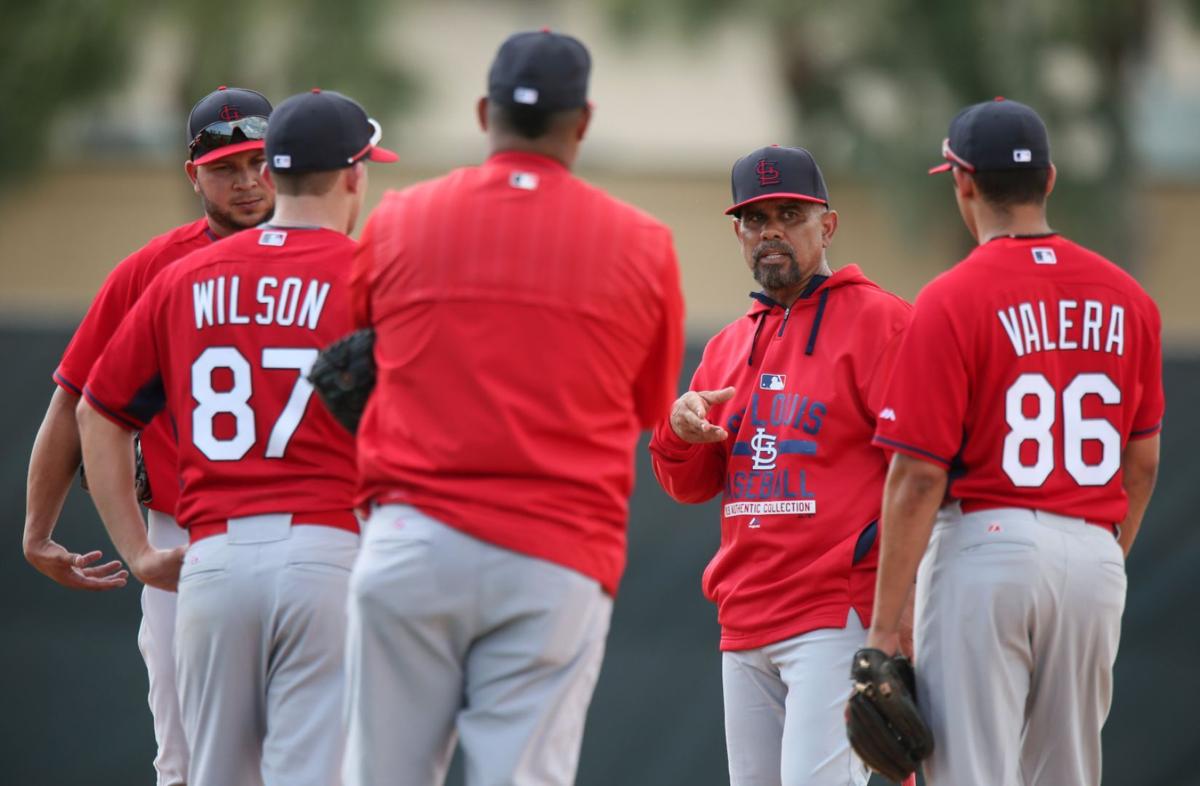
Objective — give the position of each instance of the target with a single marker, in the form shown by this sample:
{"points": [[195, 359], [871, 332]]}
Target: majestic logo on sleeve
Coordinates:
{"points": [[768, 172]]}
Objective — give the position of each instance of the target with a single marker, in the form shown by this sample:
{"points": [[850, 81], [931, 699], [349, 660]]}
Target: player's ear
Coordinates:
{"points": [[268, 179], [585, 120], [190, 168], [737, 227], [481, 112], [1051, 180], [356, 178], [964, 184], [829, 225]]}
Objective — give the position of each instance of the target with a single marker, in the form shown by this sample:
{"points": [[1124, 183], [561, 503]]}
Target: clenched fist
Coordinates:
{"points": [[689, 415]]}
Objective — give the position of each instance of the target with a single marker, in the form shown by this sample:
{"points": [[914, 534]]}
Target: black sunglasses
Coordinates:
{"points": [[227, 132]]}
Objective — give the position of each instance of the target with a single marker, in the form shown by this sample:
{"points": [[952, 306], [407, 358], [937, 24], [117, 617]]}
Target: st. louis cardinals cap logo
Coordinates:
{"points": [[768, 172], [229, 112]]}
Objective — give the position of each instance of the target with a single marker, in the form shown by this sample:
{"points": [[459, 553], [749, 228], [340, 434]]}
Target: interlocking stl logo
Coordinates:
{"points": [[768, 172], [229, 112]]}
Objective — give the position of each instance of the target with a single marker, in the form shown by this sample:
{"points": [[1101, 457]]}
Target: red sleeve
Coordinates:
{"points": [[874, 386], [114, 300], [654, 388], [688, 473], [125, 384], [923, 409], [1147, 421], [362, 274]]}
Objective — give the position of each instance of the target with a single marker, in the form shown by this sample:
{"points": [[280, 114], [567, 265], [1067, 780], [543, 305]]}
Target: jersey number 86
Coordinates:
{"points": [[1076, 430]]}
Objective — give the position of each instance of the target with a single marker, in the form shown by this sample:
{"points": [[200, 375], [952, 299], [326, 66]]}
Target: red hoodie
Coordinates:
{"points": [[800, 482]]}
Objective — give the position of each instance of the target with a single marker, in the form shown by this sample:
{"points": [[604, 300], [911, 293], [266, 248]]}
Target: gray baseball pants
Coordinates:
{"points": [[259, 652], [783, 710], [1018, 615], [453, 638], [156, 640]]}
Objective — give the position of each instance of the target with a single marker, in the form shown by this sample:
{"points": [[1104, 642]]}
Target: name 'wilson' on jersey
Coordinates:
{"points": [[224, 340]]}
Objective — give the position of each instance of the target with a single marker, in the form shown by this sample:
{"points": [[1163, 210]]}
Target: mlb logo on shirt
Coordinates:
{"points": [[772, 381], [1044, 256], [526, 181], [272, 237]]}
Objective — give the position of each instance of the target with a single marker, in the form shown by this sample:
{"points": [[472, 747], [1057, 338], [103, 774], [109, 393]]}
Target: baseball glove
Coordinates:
{"points": [[344, 376], [141, 480], [882, 721]]}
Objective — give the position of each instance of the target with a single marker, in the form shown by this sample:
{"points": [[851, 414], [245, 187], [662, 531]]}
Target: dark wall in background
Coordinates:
{"points": [[74, 684]]}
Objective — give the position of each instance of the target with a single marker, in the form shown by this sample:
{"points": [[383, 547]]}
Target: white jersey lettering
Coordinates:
{"points": [[1030, 326]]}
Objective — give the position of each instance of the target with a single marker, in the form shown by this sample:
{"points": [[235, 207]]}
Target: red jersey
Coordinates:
{"points": [[799, 480], [1027, 369], [223, 341], [124, 285], [527, 325]]}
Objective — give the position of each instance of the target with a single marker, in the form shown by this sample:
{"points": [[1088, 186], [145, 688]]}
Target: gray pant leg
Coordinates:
{"points": [[755, 698], [976, 596], [531, 671], [218, 636], [412, 598], [440, 621], [156, 641], [1072, 689], [304, 680]]}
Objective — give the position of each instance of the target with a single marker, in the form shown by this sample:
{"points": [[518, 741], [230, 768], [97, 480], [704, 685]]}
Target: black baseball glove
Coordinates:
{"points": [[882, 721], [344, 376]]}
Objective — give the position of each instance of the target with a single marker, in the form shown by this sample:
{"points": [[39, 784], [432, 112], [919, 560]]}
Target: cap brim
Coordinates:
{"points": [[937, 170], [228, 150], [381, 155], [780, 195]]}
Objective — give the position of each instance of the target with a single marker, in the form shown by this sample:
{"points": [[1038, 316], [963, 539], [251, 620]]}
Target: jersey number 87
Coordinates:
{"points": [[236, 401], [1076, 430]]}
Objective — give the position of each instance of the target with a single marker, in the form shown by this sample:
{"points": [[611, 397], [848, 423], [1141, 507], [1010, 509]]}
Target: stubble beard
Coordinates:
{"points": [[227, 220]]}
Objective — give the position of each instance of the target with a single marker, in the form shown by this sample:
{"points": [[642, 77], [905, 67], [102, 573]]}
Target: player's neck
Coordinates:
{"points": [[787, 297], [310, 212], [562, 150], [1015, 221]]}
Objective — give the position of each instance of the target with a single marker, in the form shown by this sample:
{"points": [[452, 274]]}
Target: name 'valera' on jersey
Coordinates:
{"points": [[1065, 325], [290, 302]]}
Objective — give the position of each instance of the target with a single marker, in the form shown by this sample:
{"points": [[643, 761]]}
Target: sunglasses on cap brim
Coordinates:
{"points": [[952, 160], [371, 152], [228, 132]]}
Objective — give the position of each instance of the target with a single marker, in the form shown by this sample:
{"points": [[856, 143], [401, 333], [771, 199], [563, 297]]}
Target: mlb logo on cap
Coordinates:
{"points": [[1044, 256], [772, 381]]}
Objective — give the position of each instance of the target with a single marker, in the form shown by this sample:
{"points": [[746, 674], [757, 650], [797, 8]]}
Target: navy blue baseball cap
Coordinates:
{"points": [[777, 173], [540, 69], [993, 136], [321, 130], [226, 121]]}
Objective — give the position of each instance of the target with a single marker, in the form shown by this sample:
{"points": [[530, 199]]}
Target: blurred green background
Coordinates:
{"points": [[92, 142]]}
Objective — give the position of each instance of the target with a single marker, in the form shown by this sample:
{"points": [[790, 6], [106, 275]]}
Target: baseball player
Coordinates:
{"points": [[778, 422], [1025, 413], [527, 325], [226, 130], [222, 342]]}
